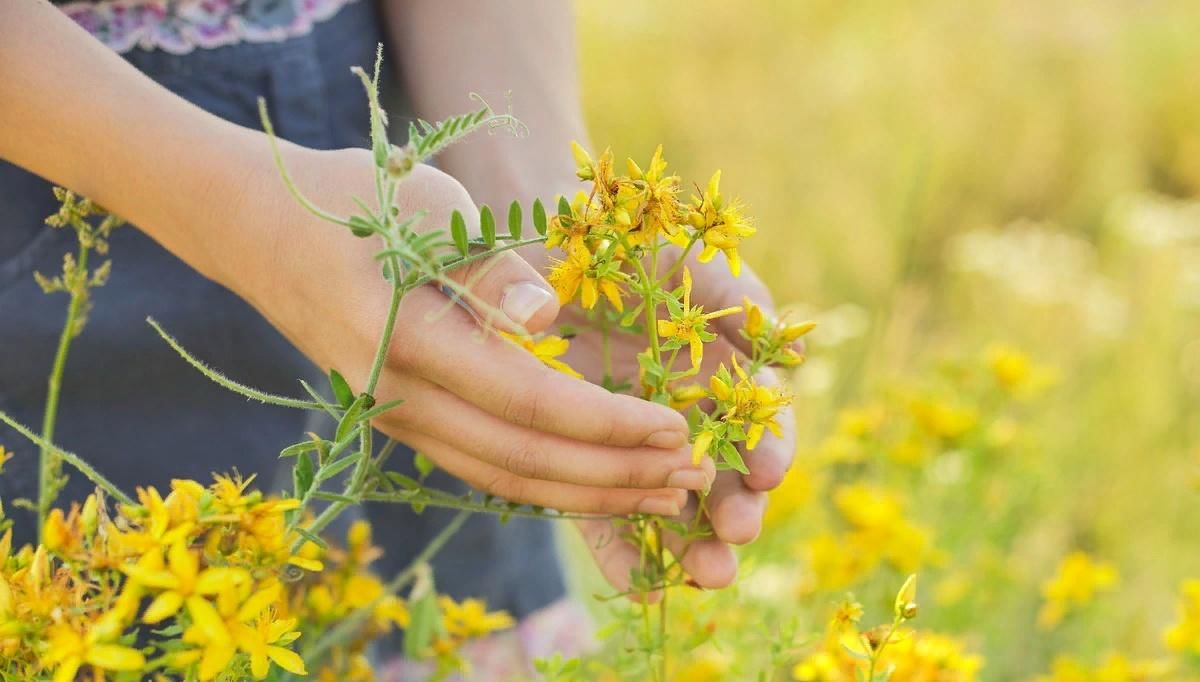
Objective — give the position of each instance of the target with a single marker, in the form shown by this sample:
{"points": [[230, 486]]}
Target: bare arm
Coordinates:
{"points": [[449, 48], [79, 115]]}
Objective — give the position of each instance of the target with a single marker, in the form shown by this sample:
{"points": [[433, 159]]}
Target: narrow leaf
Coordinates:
{"points": [[341, 389], [514, 220], [487, 225], [458, 230], [539, 217]]}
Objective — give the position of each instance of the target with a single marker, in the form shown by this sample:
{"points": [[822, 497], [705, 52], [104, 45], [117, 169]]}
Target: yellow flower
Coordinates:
{"points": [[747, 403], [69, 649], [700, 446], [688, 324], [571, 231], [845, 617], [721, 225], [660, 211], [216, 628], [547, 349], [1115, 668], [1015, 373], [577, 275], [1078, 579], [179, 579], [683, 397], [265, 643], [471, 618], [1184, 635]]}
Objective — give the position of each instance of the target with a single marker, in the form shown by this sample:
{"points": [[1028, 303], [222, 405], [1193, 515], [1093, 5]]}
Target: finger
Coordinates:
{"points": [[770, 460], [709, 561], [543, 456], [505, 291], [615, 556], [735, 511], [510, 383], [564, 497]]}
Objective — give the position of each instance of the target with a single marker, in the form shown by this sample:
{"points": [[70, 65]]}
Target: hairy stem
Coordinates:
{"points": [[49, 468]]}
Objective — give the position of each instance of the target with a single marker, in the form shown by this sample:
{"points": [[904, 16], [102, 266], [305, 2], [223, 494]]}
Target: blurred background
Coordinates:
{"points": [[993, 209]]}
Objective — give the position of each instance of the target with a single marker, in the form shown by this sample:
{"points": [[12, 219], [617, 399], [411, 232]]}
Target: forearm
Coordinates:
{"points": [[77, 114], [526, 49]]}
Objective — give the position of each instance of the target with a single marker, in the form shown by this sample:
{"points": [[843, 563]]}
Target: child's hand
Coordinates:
{"points": [[479, 406]]}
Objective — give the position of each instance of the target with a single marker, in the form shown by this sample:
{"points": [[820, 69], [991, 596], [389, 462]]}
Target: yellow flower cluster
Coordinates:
{"points": [[210, 574], [605, 229], [848, 654], [877, 533], [1076, 583], [1114, 668]]}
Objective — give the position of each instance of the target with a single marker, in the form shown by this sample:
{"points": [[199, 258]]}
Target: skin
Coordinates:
{"points": [[481, 408]]}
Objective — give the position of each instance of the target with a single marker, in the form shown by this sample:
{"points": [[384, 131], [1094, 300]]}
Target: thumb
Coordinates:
{"points": [[505, 291]]}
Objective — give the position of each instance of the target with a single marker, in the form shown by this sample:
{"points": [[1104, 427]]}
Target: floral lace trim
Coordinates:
{"points": [[562, 627], [180, 26]]}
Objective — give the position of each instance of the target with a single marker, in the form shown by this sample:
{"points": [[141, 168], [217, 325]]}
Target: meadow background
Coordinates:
{"points": [[931, 179]]}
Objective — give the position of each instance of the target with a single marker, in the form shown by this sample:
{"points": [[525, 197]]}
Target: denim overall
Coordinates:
{"points": [[141, 415]]}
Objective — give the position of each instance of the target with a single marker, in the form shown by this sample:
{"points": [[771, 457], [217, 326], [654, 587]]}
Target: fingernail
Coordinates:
{"points": [[658, 505], [688, 479], [668, 440], [522, 300]]}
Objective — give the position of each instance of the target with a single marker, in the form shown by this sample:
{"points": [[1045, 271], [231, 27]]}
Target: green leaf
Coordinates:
{"points": [[458, 230], [329, 471], [303, 447], [341, 389], [539, 217], [514, 220], [733, 458], [350, 418], [487, 225], [302, 475], [564, 206], [423, 626]]}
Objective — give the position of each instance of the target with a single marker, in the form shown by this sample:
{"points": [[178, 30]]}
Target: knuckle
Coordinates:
{"points": [[521, 407], [523, 460]]}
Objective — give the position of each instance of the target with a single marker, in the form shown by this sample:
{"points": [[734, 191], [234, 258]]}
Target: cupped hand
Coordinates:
{"points": [[478, 405], [736, 502]]}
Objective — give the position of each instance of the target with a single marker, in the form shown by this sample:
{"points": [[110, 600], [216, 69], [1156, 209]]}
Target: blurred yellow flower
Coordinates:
{"points": [[1183, 635], [1078, 580], [470, 618]]}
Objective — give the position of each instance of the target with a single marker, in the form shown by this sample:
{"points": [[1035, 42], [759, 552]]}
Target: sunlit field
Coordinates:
{"points": [[991, 209]]}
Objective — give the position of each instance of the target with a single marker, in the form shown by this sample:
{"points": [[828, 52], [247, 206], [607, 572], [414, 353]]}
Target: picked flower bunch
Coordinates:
{"points": [[626, 242]]}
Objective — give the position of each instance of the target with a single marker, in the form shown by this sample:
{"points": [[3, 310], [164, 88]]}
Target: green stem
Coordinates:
{"points": [[68, 457], [679, 263], [48, 465], [480, 507], [226, 382]]}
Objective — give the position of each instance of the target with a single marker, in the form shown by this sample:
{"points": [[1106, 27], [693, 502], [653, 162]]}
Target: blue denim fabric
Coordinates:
{"points": [[136, 410]]}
